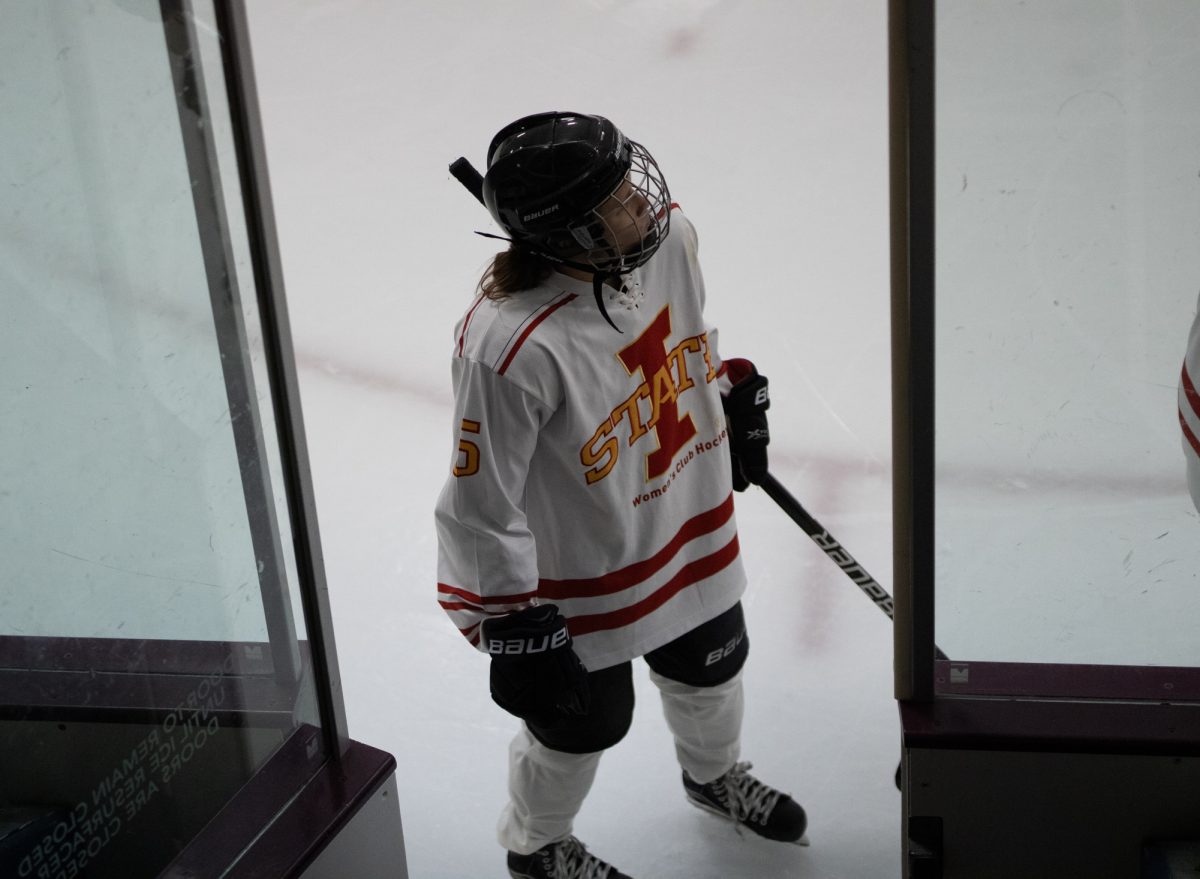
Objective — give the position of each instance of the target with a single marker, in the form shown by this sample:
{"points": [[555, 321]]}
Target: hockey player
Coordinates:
{"points": [[589, 517]]}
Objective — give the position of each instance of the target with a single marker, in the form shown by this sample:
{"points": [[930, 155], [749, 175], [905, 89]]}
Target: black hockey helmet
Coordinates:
{"points": [[549, 181]]}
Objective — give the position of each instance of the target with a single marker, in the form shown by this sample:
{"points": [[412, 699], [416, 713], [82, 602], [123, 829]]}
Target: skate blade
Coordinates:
{"points": [[803, 841]]}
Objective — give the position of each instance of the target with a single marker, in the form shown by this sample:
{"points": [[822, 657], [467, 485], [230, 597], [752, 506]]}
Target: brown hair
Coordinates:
{"points": [[514, 270]]}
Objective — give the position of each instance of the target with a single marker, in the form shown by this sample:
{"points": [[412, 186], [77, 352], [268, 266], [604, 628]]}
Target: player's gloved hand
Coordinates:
{"points": [[746, 407], [535, 673]]}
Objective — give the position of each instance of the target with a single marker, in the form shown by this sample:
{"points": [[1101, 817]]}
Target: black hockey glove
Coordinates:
{"points": [[746, 407], [535, 673]]}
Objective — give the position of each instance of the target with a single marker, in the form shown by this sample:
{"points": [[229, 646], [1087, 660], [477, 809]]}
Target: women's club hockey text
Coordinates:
{"points": [[698, 449]]}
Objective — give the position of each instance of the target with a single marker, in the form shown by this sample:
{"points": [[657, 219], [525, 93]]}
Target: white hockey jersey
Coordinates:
{"points": [[590, 467], [1189, 409]]}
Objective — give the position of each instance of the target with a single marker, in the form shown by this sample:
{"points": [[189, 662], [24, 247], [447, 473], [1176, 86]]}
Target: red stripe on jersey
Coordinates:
{"points": [[639, 572], [673, 206], [1189, 390], [480, 602], [1188, 434], [462, 337], [462, 605], [533, 325], [689, 574]]}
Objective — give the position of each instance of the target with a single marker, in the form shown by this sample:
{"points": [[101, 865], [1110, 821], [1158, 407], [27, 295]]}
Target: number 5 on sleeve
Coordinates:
{"points": [[468, 451]]}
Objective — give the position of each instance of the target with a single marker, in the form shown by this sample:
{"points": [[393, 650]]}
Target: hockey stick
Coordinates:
{"points": [[832, 548], [829, 544], [464, 172]]}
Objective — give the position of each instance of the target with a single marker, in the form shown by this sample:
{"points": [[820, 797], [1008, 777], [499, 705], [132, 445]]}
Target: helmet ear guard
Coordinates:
{"points": [[583, 237]]}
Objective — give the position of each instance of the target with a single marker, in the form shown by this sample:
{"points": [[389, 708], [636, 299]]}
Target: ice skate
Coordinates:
{"points": [[568, 859], [748, 802]]}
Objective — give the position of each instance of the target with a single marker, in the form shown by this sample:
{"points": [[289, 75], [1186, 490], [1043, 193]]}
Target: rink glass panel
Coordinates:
{"points": [[151, 655], [1067, 268]]}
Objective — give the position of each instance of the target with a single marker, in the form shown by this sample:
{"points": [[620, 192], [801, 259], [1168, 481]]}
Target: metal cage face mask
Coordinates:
{"points": [[624, 231]]}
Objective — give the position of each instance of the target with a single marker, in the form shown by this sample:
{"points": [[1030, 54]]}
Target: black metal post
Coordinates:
{"points": [[911, 75], [234, 31]]}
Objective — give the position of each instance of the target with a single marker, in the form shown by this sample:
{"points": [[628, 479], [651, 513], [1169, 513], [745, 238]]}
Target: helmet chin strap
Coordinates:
{"points": [[598, 278], [597, 289]]}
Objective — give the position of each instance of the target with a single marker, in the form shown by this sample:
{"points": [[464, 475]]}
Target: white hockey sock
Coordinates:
{"points": [[546, 789], [706, 723]]}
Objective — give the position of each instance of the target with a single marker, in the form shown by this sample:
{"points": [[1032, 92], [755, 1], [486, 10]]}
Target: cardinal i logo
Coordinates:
{"points": [[664, 377]]}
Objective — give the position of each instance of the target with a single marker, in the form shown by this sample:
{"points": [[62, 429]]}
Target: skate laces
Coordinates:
{"points": [[747, 799], [572, 861]]}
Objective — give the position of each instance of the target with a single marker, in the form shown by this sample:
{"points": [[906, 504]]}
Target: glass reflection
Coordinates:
{"points": [[150, 660]]}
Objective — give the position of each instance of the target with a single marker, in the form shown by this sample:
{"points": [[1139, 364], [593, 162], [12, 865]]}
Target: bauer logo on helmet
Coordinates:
{"points": [[542, 213]]}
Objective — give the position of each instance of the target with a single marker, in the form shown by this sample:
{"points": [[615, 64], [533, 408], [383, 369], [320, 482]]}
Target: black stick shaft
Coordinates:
{"points": [[832, 548], [829, 544]]}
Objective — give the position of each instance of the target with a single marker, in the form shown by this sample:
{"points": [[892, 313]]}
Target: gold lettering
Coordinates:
{"points": [[605, 455], [637, 428], [661, 389], [676, 358], [664, 392], [712, 373]]}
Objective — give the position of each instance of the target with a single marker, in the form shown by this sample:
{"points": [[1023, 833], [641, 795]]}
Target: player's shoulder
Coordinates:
{"points": [[681, 236], [677, 258], [512, 336]]}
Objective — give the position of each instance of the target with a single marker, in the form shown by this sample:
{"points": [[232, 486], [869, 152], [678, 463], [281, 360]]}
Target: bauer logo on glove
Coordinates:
{"points": [[521, 645], [535, 673]]}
